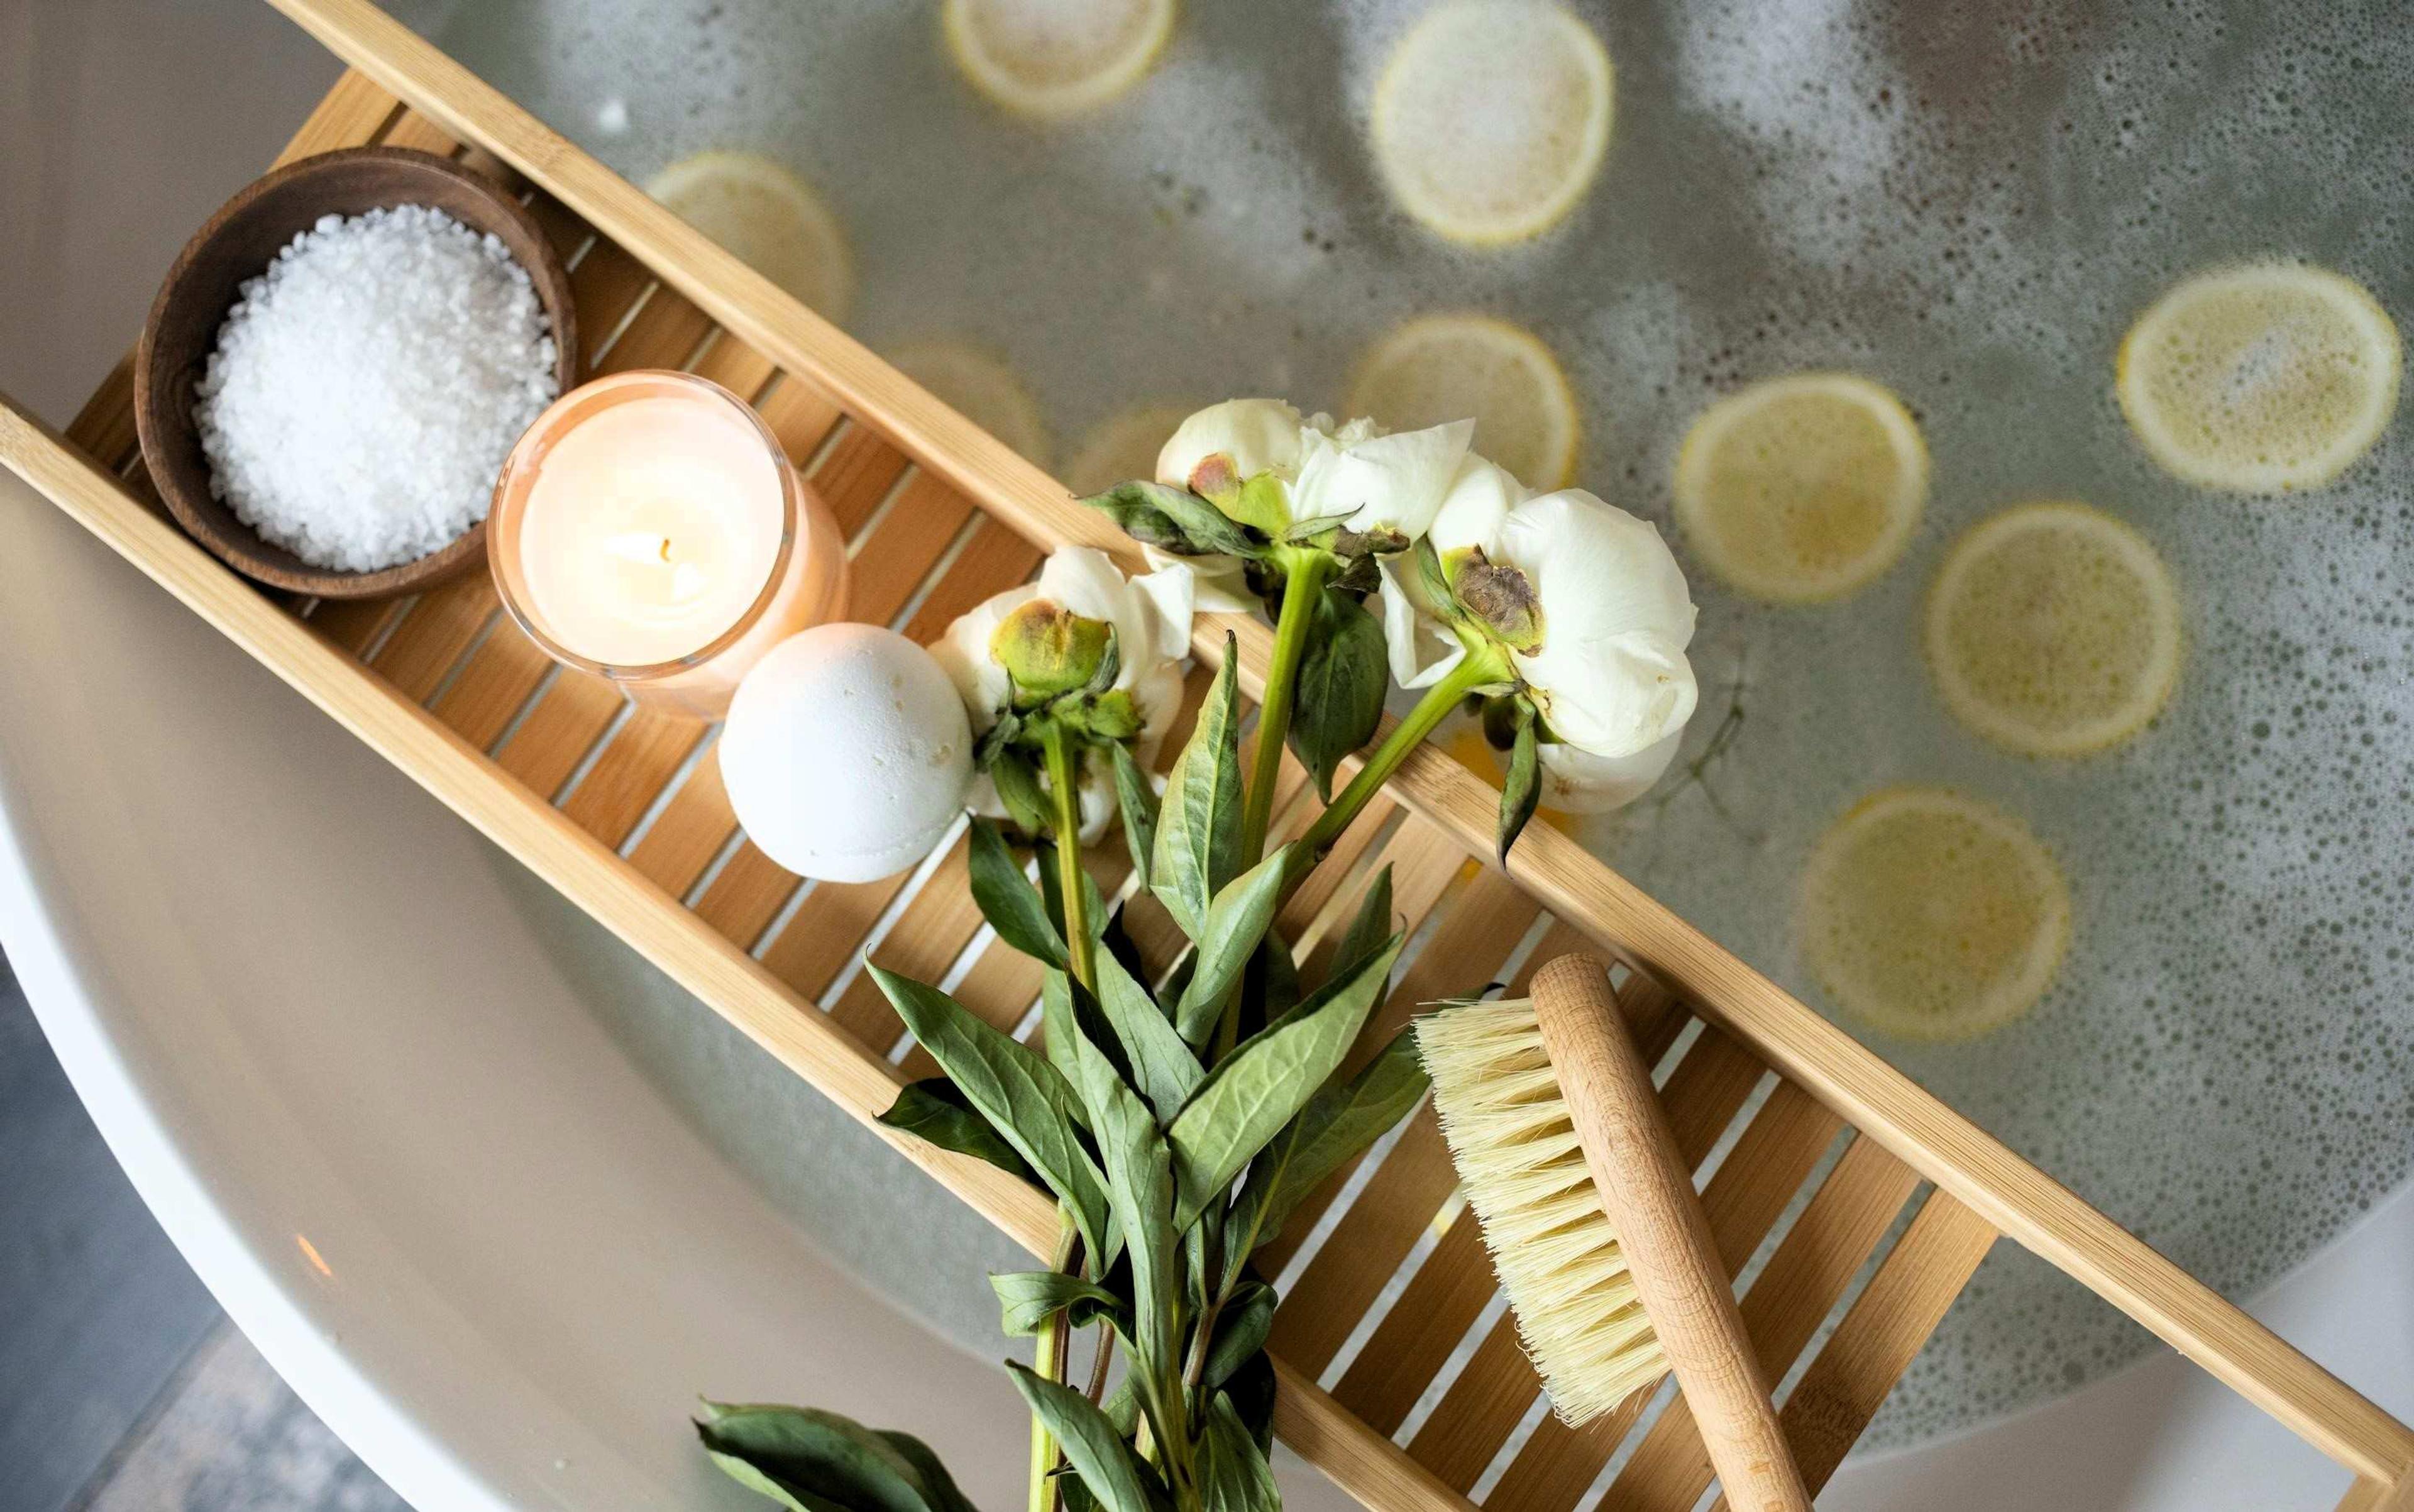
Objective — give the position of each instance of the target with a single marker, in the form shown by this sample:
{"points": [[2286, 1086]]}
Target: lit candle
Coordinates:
{"points": [[648, 529]]}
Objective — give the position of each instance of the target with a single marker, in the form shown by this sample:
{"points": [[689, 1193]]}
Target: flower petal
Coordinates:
{"points": [[1611, 674], [1382, 482], [1258, 435], [1576, 781], [1478, 503], [1614, 696], [1218, 584], [1171, 594], [962, 653], [1420, 652]]}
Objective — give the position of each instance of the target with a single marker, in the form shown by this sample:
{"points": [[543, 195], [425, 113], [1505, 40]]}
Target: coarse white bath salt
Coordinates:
{"points": [[367, 386]]}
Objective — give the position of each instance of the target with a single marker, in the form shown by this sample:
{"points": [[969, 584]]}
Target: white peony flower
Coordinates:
{"points": [[1587, 608], [1151, 617]]}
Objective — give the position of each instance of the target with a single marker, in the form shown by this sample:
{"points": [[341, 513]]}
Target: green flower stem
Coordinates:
{"points": [[1049, 1361], [1064, 782], [1478, 668], [1305, 573]]}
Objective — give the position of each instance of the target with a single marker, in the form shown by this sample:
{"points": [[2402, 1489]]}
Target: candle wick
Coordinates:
{"points": [[639, 546]]}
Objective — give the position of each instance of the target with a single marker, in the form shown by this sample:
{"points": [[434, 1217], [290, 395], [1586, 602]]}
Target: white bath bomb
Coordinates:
{"points": [[847, 753]]}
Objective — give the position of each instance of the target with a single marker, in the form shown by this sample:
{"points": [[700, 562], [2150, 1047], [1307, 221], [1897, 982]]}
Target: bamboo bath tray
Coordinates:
{"points": [[624, 812]]}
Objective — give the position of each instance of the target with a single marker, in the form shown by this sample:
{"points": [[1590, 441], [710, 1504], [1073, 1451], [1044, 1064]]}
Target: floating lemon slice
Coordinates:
{"points": [[2053, 629], [1932, 916], [1054, 58], [1442, 368], [1122, 447], [768, 219], [1491, 118], [979, 387], [1802, 489], [2260, 379]]}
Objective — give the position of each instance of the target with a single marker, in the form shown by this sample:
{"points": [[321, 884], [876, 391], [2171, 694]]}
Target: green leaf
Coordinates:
{"points": [[1009, 901], [1240, 1329], [939, 1487], [1199, 828], [935, 1110], [1372, 924], [1523, 787], [1252, 1390], [1271, 989], [1056, 1037], [1343, 678], [1173, 519], [1162, 1067], [1137, 799], [1018, 789], [1024, 1098], [793, 1497], [1105, 1462], [1028, 1298], [1342, 1120], [1233, 1475], [1268, 1078], [813, 1459], [1227, 937], [1139, 1172]]}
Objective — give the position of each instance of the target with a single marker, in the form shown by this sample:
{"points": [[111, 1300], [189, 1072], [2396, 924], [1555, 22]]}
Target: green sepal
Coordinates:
{"points": [[1173, 519], [1018, 787], [1522, 789]]}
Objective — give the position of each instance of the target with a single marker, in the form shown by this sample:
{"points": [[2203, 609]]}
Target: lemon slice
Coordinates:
{"points": [[2263, 378], [1122, 447], [1802, 489], [1491, 117], [1054, 58], [2053, 629], [979, 387], [1932, 916], [768, 219], [1442, 368]]}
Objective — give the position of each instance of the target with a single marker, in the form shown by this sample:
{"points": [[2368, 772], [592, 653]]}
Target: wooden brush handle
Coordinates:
{"points": [[1649, 1195]]}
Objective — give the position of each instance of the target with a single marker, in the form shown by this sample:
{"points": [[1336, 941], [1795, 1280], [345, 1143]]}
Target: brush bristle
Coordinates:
{"points": [[1507, 1126]]}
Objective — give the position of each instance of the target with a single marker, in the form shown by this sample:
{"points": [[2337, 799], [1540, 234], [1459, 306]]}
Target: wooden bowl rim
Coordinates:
{"points": [[210, 522]]}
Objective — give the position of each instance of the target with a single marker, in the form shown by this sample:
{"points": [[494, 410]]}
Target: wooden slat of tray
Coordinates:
{"points": [[1849, 1376]]}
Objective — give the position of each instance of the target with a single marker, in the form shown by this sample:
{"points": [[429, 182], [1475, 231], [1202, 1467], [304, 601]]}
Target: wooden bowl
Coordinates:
{"points": [[238, 243]]}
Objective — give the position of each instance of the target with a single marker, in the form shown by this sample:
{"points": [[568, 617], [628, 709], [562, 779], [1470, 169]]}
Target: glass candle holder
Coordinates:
{"points": [[647, 529]]}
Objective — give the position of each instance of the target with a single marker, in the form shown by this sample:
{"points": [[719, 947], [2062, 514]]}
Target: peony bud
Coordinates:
{"points": [[1047, 649]]}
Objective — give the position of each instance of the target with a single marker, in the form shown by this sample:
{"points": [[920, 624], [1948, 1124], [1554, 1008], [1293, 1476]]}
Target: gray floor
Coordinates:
{"points": [[123, 1388]]}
